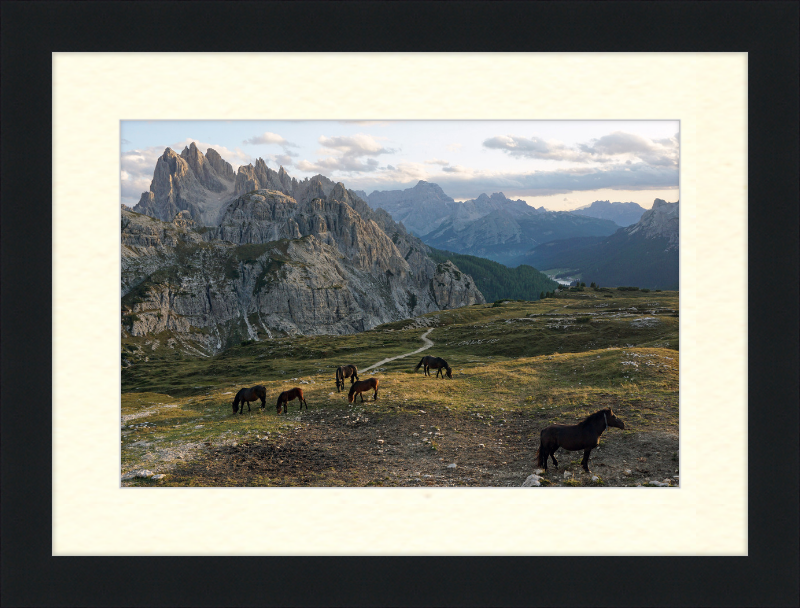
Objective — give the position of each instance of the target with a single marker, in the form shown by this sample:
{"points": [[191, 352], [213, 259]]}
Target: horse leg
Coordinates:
{"points": [[553, 456], [585, 461], [362, 397]]}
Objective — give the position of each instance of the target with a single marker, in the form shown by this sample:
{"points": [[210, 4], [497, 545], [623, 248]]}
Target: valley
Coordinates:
{"points": [[517, 366]]}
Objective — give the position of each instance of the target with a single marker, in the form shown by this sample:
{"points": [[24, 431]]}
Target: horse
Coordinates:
{"points": [[286, 396], [345, 371], [437, 363], [248, 395], [582, 436], [360, 387]]}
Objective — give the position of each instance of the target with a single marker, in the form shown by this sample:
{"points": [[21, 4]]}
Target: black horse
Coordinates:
{"points": [[345, 371], [248, 395], [582, 436], [437, 363]]}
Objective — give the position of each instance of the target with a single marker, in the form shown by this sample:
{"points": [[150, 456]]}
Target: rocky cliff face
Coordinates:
{"points": [[662, 220], [274, 265], [190, 182]]}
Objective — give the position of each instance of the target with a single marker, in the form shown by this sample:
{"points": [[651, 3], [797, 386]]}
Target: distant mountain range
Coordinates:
{"points": [[642, 255], [622, 214], [492, 227]]}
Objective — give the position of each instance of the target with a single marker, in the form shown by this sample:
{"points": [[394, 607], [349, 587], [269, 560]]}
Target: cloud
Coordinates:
{"points": [[456, 169], [659, 152], [349, 154], [284, 160], [454, 147], [343, 163], [533, 147], [354, 145], [124, 141], [437, 161], [269, 138], [612, 148], [464, 183]]}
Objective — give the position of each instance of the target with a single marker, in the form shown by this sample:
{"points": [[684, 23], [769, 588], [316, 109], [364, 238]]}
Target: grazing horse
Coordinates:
{"points": [[248, 395], [437, 363], [360, 387], [286, 396], [582, 436], [345, 371]]}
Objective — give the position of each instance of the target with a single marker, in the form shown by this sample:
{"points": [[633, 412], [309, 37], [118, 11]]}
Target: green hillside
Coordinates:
{"points": [[498, 282], [621, 259]]}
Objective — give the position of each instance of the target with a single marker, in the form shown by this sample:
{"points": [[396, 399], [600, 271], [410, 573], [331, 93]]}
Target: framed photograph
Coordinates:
{"points": [[341, 261], [98, 98]]}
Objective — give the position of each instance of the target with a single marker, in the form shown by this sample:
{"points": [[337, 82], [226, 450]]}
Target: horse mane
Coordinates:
{"points": [[597, 415]]}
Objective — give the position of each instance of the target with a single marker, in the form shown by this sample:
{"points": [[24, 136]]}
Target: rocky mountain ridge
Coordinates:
{"points": [[324, 263]]}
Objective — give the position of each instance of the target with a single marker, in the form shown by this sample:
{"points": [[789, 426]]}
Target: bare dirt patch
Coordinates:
{"points": [[396, 446]]}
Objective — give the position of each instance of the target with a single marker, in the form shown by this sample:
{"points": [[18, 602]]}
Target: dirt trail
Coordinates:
{"points": [[428, 344]]}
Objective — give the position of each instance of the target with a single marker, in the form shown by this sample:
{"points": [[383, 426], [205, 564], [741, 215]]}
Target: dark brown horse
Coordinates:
{"points": [[360, 387], [247, 395], [345, 371], [286, 396], [437, 363], [582, 436]]}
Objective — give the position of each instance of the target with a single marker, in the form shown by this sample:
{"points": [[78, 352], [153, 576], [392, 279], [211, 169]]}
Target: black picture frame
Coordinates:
{"points": [[767, 31]]}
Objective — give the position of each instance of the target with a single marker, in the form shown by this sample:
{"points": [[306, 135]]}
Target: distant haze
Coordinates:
{"points": [[560, 165]]}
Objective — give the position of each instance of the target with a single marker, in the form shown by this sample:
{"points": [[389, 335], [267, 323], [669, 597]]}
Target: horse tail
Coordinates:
{"points": [[539, 458], [420, 363]]}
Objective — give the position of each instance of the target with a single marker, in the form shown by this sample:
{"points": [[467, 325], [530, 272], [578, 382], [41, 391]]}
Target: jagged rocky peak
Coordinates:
{"points": [[662, 220], [203, 170], [221, 166], [185, 182]]}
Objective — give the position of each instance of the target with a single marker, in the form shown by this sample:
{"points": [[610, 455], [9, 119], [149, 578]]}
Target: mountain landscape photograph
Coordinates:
{"points": [[399, 303]]}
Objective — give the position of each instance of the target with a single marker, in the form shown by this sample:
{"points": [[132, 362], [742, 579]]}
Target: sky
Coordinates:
{"points": [[560, 165]]}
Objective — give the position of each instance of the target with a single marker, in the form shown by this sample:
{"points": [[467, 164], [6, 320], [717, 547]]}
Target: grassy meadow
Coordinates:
{"points": [[517, 367]]}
